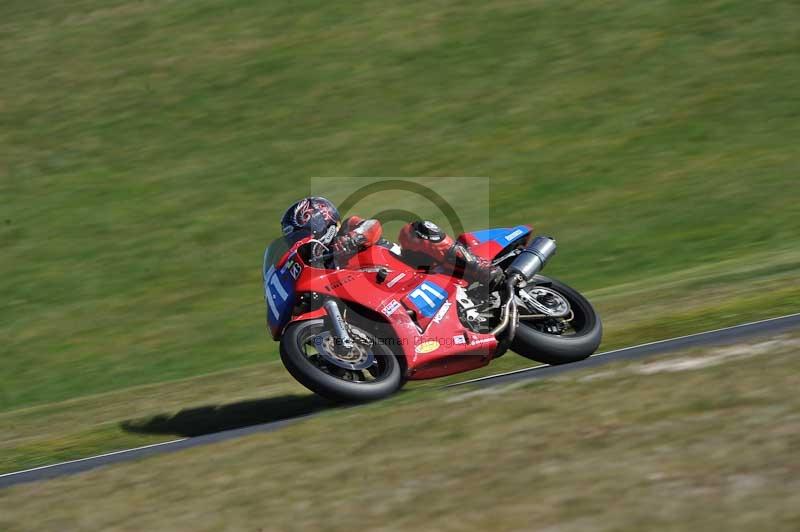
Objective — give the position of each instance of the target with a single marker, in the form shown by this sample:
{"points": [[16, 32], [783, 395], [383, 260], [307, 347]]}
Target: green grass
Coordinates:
{"points": [[704, 439], [135, 416], [148, 148]]}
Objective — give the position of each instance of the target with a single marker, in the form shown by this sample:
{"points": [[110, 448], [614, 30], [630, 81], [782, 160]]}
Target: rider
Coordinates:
{"points": [[319, 217]]}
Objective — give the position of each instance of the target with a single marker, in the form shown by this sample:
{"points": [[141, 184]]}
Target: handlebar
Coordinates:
{"points": [[305, 252]]}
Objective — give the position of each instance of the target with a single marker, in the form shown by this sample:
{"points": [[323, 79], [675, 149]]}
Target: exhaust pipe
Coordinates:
{"points": [[509, 315], [532, 259], [529, 263]]}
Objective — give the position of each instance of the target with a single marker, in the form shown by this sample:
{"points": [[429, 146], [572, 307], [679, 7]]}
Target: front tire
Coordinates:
{"points": [[324, 379], [531, 341]]}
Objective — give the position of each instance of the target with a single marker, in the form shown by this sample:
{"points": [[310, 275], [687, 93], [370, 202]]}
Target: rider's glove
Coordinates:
{"points": [[345, 245]]}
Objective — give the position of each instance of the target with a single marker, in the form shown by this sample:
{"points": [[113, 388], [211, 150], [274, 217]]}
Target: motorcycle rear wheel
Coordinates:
{"points": [[315, 373], [532, 341]]}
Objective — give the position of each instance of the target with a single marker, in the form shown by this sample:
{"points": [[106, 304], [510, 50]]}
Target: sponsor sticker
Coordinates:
{"points": [[328, 237], [295, 269], [396, 280], [392, 307], [341, 282], [459, 340], [428, 347], [515, 234], [482, 341], [442, 312]]}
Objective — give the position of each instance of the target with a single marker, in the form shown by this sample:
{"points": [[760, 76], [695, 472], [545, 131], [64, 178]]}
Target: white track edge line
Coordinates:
{"points": [[448, 386], [93, 457], [523, 370]]}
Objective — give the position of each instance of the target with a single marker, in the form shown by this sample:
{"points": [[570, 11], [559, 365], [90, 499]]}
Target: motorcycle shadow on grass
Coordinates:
{"points": [[211, 419]]}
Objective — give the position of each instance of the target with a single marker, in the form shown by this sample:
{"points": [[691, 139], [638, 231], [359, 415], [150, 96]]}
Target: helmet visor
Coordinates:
{"points": [[297, 235]]}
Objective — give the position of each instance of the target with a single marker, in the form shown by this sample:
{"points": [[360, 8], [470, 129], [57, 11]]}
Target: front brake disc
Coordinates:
{"points": [[358, 358]]}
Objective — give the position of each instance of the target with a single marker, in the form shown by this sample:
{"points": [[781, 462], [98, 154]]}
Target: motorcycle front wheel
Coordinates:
{"points": [[303, 354], [553, 341]]}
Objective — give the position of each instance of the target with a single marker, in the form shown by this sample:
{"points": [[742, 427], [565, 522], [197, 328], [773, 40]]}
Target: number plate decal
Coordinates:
{"points": [[428, 298]]}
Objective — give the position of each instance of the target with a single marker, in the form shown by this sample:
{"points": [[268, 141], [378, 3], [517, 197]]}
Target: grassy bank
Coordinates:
{"points": [[149, 147], [264, 392], [701, 439]]}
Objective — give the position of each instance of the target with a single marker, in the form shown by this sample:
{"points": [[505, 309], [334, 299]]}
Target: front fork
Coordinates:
{"points": [[343, 342]]}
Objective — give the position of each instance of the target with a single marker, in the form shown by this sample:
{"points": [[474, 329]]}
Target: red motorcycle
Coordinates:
{"points": [[358, 330]]}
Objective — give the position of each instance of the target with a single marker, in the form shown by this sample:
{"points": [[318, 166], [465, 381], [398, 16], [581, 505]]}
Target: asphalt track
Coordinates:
{"points": [[728, 335]]}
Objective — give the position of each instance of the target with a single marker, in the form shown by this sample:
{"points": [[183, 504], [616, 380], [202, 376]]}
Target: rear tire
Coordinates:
{"points": [[557, 349], [316, 379]]}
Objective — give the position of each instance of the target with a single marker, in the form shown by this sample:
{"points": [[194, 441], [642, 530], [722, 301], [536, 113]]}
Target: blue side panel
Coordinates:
{"points": [[503, 236], [279, 294]]}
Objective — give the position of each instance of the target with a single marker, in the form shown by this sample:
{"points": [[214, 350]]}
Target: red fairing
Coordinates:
{"points": [[432, 346], [419, 306], [487, 251], [469, 240]]}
